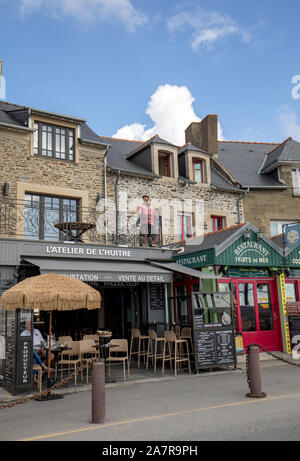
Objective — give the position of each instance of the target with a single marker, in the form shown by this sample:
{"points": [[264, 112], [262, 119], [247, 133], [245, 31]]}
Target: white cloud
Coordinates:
{"points": [[171, 110], [87, 11], [206, 27], [289, 124]]}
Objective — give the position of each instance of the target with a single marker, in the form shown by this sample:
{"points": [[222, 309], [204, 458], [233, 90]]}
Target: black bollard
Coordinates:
{"points": [[254, 375], [98, 392]]}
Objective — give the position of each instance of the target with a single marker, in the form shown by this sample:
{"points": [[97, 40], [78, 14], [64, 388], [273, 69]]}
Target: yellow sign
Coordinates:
{"points": [[286, 325]]}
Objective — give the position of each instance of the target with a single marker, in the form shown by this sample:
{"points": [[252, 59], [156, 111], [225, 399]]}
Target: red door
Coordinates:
{"points": [[258, 313]]}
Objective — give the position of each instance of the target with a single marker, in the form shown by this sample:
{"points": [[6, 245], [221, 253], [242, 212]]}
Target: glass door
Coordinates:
{"points": [[258, 313]]}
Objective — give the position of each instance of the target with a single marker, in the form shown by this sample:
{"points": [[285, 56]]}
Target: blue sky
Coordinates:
{"points": [[134, 68]]}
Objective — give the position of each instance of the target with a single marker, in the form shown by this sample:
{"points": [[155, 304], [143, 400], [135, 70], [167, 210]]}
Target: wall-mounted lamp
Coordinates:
{"points": [[6, 189], [247, 235], [259, 235], [98, 198]]}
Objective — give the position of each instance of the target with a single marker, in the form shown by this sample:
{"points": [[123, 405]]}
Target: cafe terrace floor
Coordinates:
{"points": [[141, 375]]}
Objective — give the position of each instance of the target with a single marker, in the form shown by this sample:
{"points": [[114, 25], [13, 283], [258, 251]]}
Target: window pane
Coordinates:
{"points": [[50, 217], [31, 216], [198, 172], [247, 306], [264, 302], [290, 292], [36, 139]]}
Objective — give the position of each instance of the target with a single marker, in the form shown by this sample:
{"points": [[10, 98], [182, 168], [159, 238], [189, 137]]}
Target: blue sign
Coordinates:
{"points": [[292, 235]]}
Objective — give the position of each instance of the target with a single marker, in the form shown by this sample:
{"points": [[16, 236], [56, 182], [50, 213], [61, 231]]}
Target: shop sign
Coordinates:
{"points": [[249, 253], [293, 258], [70, 250], [292, 235], [197, 259], [116, 277], [247, 272]]}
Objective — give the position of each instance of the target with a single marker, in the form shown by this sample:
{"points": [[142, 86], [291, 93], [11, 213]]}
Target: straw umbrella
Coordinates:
{"points": [[51, 292]]}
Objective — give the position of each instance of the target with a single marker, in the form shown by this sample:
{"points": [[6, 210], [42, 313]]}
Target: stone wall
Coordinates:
{"points": [[264, 205], [170, 196]]}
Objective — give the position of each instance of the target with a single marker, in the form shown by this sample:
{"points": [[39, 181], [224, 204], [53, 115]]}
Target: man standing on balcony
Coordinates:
{"points": [[147, 219]]}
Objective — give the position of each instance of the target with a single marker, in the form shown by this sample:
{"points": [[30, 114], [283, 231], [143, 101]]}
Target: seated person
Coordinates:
{"points": [[36, 359], [38, 341]]}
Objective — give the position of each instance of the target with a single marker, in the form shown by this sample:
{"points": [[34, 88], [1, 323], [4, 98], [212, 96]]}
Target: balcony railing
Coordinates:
{"points": [[35, 221]]}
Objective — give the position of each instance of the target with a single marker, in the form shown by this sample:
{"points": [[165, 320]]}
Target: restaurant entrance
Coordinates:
{"points": [[256, 311]]}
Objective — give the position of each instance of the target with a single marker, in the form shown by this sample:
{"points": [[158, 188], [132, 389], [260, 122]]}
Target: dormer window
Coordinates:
{"points": [[165, 164], [54, 141], [199, 170]]}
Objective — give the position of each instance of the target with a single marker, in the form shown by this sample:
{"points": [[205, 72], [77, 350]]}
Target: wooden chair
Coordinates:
{"points": [[65, 339], [186, 333], [73, 352], [153, 344], [141, 349], [122, 348], [87, 355], [72, 363], [174, 352], [38, 367]]}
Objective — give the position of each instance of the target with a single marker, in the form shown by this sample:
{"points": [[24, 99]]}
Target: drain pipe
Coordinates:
{"points": [[239, 206], [105, 194], [117, 206]]}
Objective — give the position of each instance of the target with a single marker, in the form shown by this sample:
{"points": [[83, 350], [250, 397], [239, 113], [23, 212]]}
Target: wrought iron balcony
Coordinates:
{"points": [[37, 220]]}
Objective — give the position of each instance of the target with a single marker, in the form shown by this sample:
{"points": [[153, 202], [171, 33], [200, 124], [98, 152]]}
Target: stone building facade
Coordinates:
{"points": [[102, 180]]}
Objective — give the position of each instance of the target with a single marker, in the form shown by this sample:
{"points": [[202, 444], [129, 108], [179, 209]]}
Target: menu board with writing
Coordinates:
{"points": [[214, 343], [157, 296]]}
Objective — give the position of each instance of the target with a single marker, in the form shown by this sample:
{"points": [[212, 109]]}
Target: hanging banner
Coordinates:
{"points": [[292, 235], [284, 309]]}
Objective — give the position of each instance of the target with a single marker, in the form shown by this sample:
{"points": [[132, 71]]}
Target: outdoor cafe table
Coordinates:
{"points": [[79, 227]]}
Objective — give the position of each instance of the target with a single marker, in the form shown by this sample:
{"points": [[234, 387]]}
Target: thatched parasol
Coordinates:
{"points": [[50, 292]]}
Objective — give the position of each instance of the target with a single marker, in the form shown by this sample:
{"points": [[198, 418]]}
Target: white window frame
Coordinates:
{"points": [[279, 225], [296, 180]]}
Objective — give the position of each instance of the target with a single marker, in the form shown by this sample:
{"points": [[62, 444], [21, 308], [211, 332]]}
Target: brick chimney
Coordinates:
{"points": [[204, 134]]}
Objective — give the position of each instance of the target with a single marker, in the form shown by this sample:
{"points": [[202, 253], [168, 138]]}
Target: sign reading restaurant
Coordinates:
{"points": [[251, 253]]}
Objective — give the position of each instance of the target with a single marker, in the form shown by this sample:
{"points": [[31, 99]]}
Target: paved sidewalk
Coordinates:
{"points": [[142, 375]]}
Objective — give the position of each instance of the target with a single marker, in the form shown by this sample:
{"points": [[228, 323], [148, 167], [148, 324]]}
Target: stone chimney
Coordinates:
{"points": [[204, 134]]}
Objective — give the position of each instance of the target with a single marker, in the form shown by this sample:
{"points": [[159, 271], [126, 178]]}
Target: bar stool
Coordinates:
{"points": [[171, 340], [153, 338], [136, 334], [186, 333]]}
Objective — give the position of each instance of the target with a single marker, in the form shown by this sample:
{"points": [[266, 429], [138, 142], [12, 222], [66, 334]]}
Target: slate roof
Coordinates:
{"points": [[154, 139], [116, 157], [245, 159], [288, 151], [209, 240]]}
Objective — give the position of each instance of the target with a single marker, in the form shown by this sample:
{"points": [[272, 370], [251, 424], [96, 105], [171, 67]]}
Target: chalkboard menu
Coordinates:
{"points": [[157, 296], [294, 327], [10, 362], [214, 342], [5, 285]]}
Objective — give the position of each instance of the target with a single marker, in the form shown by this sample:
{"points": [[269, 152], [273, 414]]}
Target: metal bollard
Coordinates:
{"points": [[253, 373], [98, 392]]}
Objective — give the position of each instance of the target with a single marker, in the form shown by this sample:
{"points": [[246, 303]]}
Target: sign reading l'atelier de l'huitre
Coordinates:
{"points": [[251, 252]]}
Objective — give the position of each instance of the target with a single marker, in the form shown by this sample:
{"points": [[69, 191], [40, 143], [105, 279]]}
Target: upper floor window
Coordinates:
{"points": [[296, 180], [41, 212], [164, 164], [276, 227], [184, 226], [217, 223], [53, 141], [199, 170]]}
